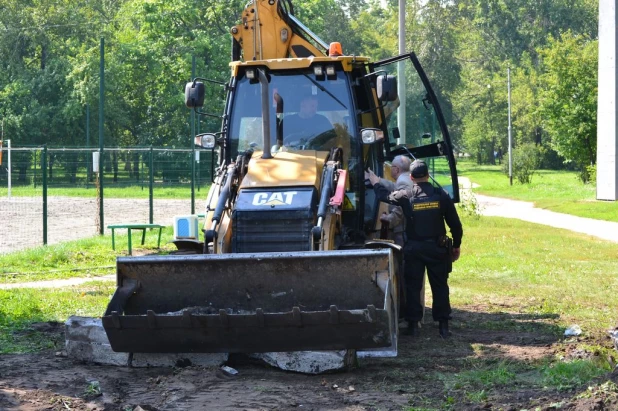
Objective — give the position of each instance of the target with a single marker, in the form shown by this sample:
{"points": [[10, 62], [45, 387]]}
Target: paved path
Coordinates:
{"points": [[57, 283], [523, 210]]}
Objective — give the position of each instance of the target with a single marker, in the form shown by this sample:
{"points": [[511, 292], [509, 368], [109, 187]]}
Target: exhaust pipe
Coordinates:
{"points": [[265, 114]]}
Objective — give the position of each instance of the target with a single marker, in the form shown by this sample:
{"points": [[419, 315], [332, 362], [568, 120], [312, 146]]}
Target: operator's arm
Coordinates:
{"points": [[395, 216]]}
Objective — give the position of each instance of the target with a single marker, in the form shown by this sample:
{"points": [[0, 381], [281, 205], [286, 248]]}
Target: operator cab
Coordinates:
{"points": [[305, 114]]}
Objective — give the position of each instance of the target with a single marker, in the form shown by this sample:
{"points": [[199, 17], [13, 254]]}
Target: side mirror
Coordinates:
{"points": [[387, 88], [206, 140], [371, 135], [194, 94]]}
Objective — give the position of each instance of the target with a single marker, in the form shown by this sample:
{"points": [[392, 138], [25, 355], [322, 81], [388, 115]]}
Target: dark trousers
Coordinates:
{"points": [[399, 240], [421, 255]]}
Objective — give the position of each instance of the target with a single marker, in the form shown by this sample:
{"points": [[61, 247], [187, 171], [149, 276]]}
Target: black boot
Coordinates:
{"points": [[444, 332], [412, 329]]}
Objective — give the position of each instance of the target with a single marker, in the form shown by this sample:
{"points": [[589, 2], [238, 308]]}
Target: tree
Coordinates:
{"points": [[568, 100]]}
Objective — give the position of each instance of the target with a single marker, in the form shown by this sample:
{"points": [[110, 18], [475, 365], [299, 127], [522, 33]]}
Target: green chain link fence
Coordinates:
{"points": [[52, 194]]}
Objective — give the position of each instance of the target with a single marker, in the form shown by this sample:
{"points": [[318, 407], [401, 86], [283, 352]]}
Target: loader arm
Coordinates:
{"points": [[269, 30]]}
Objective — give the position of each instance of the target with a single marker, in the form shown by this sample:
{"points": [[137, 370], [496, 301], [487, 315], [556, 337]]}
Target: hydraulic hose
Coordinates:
{"points": [[211, 235], [325, 195]]}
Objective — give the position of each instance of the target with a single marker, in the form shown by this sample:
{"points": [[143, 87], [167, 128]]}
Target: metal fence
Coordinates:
{"points": [[51, 195]]}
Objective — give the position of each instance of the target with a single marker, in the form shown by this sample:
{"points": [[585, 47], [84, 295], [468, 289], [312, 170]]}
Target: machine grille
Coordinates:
{"points": [[273, 220], [270, 231]]}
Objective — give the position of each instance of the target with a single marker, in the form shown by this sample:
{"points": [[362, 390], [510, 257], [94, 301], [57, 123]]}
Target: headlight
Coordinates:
{"points": [[371, 135], [207, 141]]}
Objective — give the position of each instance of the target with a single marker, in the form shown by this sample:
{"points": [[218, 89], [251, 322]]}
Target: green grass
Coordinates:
{"points": [[572, 374], [559, 191], [20, 308], [109, 191], [83, 258], [549, 271]]}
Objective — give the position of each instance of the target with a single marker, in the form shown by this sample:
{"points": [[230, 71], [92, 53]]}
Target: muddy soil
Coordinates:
{"points": [[422, 377]]}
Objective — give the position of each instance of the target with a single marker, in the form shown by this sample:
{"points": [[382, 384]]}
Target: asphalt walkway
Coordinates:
{"points": [[523, 210]]}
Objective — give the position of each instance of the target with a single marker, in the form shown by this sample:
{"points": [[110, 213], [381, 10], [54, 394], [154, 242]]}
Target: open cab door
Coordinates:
{"points": [[422, 133]]}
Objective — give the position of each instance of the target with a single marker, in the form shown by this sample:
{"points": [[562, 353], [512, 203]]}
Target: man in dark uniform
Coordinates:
{"points": [[427, 247]]}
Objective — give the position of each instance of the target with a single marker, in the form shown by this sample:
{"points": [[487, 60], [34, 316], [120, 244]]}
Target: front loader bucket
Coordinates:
{"points": [[294, 301]]}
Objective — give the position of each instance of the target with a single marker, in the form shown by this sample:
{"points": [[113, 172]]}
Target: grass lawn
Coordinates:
{"points": [[546, 270], [90, 257], [559, 191]]}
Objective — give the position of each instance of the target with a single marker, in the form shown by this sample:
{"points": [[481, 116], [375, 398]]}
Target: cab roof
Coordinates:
{"points": [[347, 63]]}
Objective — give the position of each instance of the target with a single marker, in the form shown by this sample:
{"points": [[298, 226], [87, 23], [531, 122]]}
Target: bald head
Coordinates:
{"points": [[400, 165], [402, 162]]}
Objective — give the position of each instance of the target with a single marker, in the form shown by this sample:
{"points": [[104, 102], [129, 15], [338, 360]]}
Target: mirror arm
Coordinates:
{"points": [[372, 109], [375, 73], [209, 81], [221, 116]]}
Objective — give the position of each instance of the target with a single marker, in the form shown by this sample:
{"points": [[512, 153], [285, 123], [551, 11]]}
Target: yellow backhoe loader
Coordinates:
{"points": [[290, 260]]}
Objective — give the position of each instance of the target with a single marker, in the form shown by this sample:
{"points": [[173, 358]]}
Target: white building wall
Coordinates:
{"points": [[607, 114]]}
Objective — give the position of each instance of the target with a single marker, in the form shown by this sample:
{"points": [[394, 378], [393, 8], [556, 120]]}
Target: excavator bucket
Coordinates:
{"points": [[266, 302]]}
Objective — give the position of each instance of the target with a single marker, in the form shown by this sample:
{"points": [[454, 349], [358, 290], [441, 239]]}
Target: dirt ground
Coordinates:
{"points": [[50, 381]]}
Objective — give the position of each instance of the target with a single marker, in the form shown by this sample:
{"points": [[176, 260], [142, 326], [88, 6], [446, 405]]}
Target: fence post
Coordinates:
{"points": [[88, 159], [101, 134], [198, 158], [8, 146], [44, 175], [151, 185], [35, 166], [193, 144]]}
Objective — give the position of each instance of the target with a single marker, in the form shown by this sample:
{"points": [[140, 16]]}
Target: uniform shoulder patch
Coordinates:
{"points": [[430, 205]]}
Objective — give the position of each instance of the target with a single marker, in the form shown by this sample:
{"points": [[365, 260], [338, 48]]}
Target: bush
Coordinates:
{"points": [[526, 160], [590, 176], [469, 205]]}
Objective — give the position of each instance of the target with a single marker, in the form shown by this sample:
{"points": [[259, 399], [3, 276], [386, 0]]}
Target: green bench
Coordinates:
{"points": [[130, 227]]}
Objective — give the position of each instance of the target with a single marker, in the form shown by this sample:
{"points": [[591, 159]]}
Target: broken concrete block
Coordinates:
{"points": [[85, 329], [86, 340], [97, 353], [309, 362], [178, 359]]}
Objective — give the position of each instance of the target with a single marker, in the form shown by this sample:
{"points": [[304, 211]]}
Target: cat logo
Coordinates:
{"points": [[278, 198]]}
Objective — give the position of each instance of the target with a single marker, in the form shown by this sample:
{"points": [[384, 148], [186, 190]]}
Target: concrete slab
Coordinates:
{"points": [[86, 341], [178, 359], [96, 353], [309, 362]]}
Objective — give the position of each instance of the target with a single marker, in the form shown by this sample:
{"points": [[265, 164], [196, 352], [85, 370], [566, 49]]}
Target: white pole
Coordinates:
{"points": [[607, 111], [401, 74], [508, 75], [8, 146]]}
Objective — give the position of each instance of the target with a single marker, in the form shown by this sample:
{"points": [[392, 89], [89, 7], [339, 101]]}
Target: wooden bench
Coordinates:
{"points": [[132, 226]]}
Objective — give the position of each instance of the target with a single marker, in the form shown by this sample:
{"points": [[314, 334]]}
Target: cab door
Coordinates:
{"points": [[422, 132]]}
